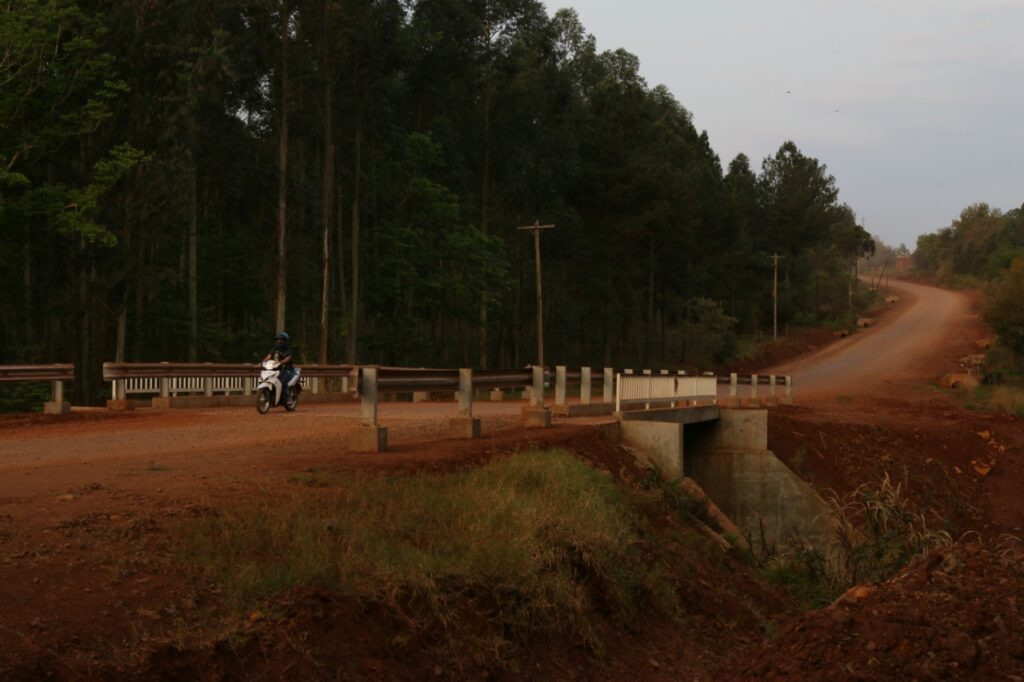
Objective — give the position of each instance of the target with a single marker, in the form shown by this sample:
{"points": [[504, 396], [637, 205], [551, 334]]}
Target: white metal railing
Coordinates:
{"points": [[176, 386], [637, 389]]}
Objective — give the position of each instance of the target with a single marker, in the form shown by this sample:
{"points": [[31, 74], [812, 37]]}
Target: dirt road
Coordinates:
{"points": [[916, 341]]}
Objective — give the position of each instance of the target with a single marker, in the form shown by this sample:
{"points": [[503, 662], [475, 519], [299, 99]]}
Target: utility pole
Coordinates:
{"points": [[775, 296], [536, 228]]}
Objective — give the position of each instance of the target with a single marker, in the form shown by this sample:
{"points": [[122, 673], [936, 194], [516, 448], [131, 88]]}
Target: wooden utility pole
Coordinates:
{"points": [[775, 296], [536, 228]]}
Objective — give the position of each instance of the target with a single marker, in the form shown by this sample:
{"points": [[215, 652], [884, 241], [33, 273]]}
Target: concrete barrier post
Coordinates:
{"points": [[734, 381], [248, 385], [344, 385], [560, 385], [609, 385], [316, 385], [585, 385], [57, 405], [754, 400], [208, 386], [369, 436], [165, 387], [497, 395], [464, 425], [537, 390], [537, 416], [788, 396]]}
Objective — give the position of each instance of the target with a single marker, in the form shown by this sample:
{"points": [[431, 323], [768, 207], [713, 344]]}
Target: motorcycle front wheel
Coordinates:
{"points": [[292, 402], [263, 401]]}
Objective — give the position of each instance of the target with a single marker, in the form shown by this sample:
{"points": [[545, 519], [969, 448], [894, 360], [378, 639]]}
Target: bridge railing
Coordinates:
{"points": [[167, 379], [664, 388], [55, 375], [774, 383]]}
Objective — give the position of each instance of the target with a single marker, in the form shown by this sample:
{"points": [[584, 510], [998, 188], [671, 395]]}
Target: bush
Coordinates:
{"points": [[1005, 309]]}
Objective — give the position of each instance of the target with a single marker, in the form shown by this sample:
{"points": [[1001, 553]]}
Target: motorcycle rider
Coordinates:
{"points": [[282, 355]]}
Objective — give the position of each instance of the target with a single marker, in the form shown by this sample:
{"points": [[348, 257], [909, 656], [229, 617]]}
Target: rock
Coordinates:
{"points": [[865, 322], [892, 300], [959, 381], [855, 594]]}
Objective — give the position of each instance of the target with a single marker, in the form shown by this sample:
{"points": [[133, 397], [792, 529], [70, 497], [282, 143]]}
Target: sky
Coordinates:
{"points": [[915, 106]]}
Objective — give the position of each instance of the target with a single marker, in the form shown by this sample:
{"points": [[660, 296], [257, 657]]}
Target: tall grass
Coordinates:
{"points": [[876, 534], [539, 540]]}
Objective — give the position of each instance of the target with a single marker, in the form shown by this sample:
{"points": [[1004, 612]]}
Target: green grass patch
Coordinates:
{"points": [[1006, 399], [540, 538]]}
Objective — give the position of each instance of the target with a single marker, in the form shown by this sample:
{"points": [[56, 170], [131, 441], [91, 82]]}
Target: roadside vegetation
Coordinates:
{"points": [[533, 545], [877, 533]]}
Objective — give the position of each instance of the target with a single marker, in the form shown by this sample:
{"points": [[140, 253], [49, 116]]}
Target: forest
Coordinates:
{"points": [[983, 248], [180, 180]]}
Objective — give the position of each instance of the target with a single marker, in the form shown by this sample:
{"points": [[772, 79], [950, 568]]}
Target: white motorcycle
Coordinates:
{"points": [[270, 389]]}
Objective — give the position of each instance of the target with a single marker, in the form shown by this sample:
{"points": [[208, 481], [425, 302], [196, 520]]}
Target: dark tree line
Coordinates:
{"points": [[178, 180]]}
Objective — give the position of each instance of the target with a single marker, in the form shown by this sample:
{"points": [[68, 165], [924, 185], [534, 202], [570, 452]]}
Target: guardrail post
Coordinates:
{"points": [[369, 436], [753, 391], [772, 398], [118, 396], [163, 401], [57, 405], [247, 385], [560, 385], [316, 385], [618, 393], [788, 397], [464, 425], [585, 380], [537, 416], [208, 386], [608, 388]]}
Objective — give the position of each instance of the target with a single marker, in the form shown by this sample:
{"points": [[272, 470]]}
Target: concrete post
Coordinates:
{"points": [[560, 385], [165, 387], [537, 416], [369, 437], [609, 385], [464, 425], [316, 385], [208, 386], [585, 385], [368, 389], [754, 400], [57, 404], [788, 397], [773, 399], [344, 385], [647, 372], [247, 385], [733, 385], [118, 395], [420, 396], [627, 371], [497, 395], [537, 390]]}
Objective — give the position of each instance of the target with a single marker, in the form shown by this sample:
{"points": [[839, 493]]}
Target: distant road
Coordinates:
{"points": [[915, 341]]}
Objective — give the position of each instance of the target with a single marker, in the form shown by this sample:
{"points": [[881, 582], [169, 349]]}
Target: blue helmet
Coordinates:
{"points": [[281, 338]]}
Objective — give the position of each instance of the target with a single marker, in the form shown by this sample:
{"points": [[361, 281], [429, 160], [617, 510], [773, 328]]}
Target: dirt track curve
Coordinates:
{"points": [[913, 342]]}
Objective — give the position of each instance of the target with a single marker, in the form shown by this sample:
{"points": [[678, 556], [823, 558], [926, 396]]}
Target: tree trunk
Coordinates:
{"points": [[282, 178], [353, 339], [193, 267], [485, 218], [328, 186]]}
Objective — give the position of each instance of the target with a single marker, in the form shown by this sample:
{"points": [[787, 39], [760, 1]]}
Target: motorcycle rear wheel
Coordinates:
{"points": [[292, 402], [263, 401]]}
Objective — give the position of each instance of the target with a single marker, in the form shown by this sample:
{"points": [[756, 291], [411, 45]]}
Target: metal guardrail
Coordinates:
{"points": [[27, 373], [56, 375]]}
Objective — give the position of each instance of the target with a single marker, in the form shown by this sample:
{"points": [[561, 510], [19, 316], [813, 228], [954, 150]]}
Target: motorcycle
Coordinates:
{"points": [[270, 391]]}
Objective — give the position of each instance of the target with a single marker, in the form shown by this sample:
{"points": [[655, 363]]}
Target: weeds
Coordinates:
{"points": [[876, 534], [672, 496], [539, 539]]}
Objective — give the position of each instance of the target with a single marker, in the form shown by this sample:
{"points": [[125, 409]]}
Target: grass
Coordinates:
{"points": [[540, 538], [1006, 399], [876, 532]]}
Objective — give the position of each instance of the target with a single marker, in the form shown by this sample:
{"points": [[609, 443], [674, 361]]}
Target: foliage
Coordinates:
{"points": [[127, 128], [1004, 308], [540, 538]]}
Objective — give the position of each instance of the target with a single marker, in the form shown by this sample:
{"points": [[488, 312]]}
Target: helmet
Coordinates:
{"points": [[281, 337]]}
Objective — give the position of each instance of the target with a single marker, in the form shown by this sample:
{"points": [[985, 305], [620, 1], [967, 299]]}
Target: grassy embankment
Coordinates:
{"points": [[537, 544]]}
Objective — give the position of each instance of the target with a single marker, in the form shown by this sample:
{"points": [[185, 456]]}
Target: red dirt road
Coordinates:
{"points": [[912, 343]]}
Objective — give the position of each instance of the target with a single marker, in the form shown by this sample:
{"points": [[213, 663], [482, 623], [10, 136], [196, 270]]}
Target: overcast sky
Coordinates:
{"points": [[916, 106]]}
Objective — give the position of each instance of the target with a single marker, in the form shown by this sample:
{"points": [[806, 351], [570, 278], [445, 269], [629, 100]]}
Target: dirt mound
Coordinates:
{"points": [[797, 344], [956, 614]]}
